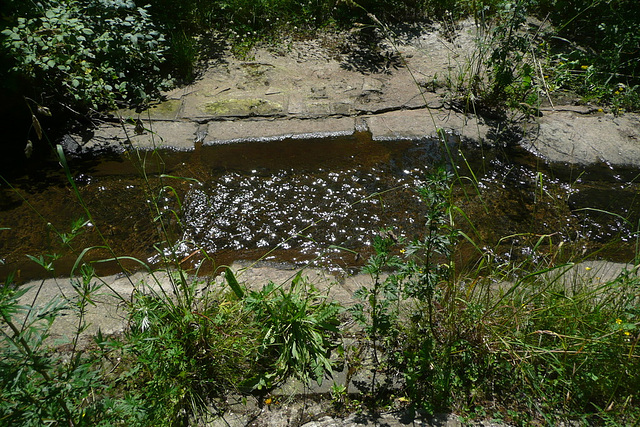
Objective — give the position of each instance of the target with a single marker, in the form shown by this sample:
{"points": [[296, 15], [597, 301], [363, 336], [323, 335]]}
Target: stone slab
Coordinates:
{"points": [[146, 135], [310, 89], [175, 135], [166, 110], [258, 130], [241, 107], [570, 137], [110, 316], [107, 314], [421, 123]]}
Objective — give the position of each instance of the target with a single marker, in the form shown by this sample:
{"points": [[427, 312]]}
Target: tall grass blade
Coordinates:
{"points": [[233, 283]]}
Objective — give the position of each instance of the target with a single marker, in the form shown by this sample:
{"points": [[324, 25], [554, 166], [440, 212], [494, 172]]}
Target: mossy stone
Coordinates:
{"points": [[243, 107]]}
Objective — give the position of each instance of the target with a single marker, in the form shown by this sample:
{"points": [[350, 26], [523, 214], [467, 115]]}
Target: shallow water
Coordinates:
{"points": [[315, 200]]}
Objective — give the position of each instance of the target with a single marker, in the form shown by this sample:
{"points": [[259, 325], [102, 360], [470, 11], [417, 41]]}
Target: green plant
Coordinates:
{"points": [[422, 280], [571, 343], [513, 63], [187, 354], [435, 359], [299, 330], [85, 54], [338, 394], [380, 307], [40, 386], [595, 51]]}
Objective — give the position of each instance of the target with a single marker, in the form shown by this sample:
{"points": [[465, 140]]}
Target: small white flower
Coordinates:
{"points": [[144, 325]]}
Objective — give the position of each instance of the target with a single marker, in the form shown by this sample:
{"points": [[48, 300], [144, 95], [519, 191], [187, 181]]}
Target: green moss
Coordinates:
{"points": [[166, 109], [243, 107]]}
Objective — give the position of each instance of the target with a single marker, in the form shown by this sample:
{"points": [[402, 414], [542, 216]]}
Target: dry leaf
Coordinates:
{"points": [[28, 149], [36, 125]]}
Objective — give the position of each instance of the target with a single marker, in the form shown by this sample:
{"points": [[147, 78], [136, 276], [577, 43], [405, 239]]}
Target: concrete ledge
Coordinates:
{"points": [[173, 135], [264, 130], [576, 138], [412, 124]]}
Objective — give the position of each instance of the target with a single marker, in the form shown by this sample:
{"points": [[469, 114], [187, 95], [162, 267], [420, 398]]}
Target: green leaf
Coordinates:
{"points": [[233, 283]]}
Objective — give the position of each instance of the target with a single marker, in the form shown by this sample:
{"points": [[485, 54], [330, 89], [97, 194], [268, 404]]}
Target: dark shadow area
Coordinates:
{"points": [[211, 48], [189, 57], [362, 52], [368, 50]]}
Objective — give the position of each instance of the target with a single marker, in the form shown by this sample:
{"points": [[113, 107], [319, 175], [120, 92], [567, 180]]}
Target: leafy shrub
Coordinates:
{"points": [[85, 53], [607, 29], [419, 288], [510, 74]]}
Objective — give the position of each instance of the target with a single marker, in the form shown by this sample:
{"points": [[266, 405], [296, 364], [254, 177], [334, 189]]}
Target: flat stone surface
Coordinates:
{"points": [[108, 313], [242, 107], [110, 316], [176, 135], [397, 419], [424, 122], [591, 273], [566, 136], [165, 110], [294, 414], [258, 130]]}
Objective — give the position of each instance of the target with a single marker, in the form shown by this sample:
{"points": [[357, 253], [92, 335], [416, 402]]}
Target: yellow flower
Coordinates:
{"points": [[268, 401], [600, 110], [627, 333], [587, 268], [585, 67], [403, 251], [619, 321]]}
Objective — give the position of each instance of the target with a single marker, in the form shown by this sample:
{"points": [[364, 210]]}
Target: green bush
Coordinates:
{"points": [[84, 54]]}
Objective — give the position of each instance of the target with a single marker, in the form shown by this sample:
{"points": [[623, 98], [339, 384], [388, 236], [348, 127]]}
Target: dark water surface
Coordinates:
{"points": [[317, 200]]}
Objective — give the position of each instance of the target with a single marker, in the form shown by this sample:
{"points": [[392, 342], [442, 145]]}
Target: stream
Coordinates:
{"points": [[317, 201]]}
